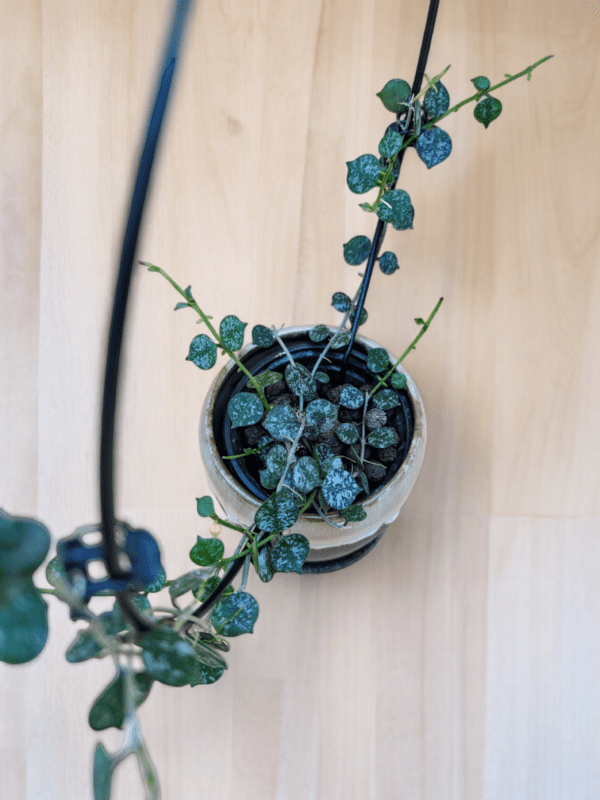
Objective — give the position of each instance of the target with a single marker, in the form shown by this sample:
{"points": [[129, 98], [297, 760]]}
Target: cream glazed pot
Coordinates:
{"points": [[330, 547]]}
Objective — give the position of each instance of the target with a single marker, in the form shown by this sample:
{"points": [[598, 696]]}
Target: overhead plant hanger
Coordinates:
{"points": [[184, 646]]}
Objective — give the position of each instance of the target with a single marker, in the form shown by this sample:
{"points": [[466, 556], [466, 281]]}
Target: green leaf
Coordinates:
{"points": [[306, 475], [276, 460], [203, 352], [481, 82], [55, 572], [398, 380], [341, 302], [390, 144], [339, 489], [386, 399], [265, 569], [188, 293], [381, 437], [207, 654], [436, 103], [388, 263], [357, 250], [262, 336], [207, 587], [205, 506], [395, 95], [108, 710], [104, 766], [300, 381], [321, 414], [278, 512], [378, 360], [433, 146], [245, 409], [282, 423], [267, 480], [354, 514], [24, 544], [321, 377], [319, 333], [340, 340], [158, 583], [235, 614], [83, 648], [266, 378], [231, 331], [395, 207], [347, 433], [167, 657], [290, 553], [331, 462], [181, 305], [487, 110], [351, 397], [204, 674], [363, 316], [363, 173], [188, 582], [207, 552]]}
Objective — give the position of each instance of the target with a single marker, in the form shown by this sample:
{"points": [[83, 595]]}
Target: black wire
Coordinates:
{"points": [[117, 325], [381, 227]]}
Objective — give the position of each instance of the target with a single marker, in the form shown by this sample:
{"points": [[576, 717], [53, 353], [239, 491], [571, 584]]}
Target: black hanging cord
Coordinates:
{"points": [[117, 325], [380, 229]]}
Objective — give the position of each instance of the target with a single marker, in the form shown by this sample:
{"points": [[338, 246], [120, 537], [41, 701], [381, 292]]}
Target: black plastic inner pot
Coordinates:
{"points": [[230, 441]]}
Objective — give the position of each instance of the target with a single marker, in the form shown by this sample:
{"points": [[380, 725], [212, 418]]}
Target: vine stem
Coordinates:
{"points": [[411, 346], [192, 304]]}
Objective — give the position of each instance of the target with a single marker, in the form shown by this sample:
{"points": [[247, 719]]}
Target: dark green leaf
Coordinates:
{"points": [[268, 480], [262, 336], [433, 146], [167, 657], [388, 263], [267, 378], [381, 437], [378, 360], [290, 553], [351, 397], [398, 380], [363, 316], [205, 506], [390, 144], [188, 582], [340, 340], [104, 766], [108, 710], [395, 95], [188, 293], [341, 302], [203, 352], [207, 552], [319, 333], [181, 305], [395, 207], [278, 512], [277, 460], [235, 614], [321, 377], [354, 514], [158, 583], [386, 399], [265, 567], [347, 433], [420, 321], [207, 654], [84, 647], [24, 544], [362, 173], [339, 489], [231, 331], [300, 381], [321, 414], [482, 83], [331, 462], [306, 474], [205, 588], [282, 423], [23, 620], [245, 409], [204, 674], [436, 103], [487, 110], [357, 250], [55, 572]]}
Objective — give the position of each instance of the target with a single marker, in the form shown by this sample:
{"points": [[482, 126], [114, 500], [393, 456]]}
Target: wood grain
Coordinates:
{"points": [[460, 660]]}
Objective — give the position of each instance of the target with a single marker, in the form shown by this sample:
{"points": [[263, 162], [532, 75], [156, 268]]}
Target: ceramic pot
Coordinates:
{"points": [[235, 482]]}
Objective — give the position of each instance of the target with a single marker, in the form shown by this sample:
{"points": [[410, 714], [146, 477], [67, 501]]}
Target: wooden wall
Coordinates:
{"points": [[460, 661]]}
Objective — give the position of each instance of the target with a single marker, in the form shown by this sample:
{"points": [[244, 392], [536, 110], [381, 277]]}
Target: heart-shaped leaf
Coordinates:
{"points": [[363, 173], [388, 263], [398, 380], [434, 146], [278, 512], [188, 582], [290, 553], [265, 568], [277, 460], [321, 414], [339, 489], [357, 250], [104, 766], [351, 397], [390, 144], [381, 437], [319, 333], [203, 352], [378, 360], [341, 302], [207, 552], [395, 207], [167, 657], [231, 331], [487, 110], [437, 102], [204, 674], [83, 648], [245, 409], [347, 433], [235, 615], [306, 474], [300, 381], [481, 83], [262, 336], [354, 514], [205, 506], [386, 399], [395, 95], [282, 423], [108, 710], [266, 378]]}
